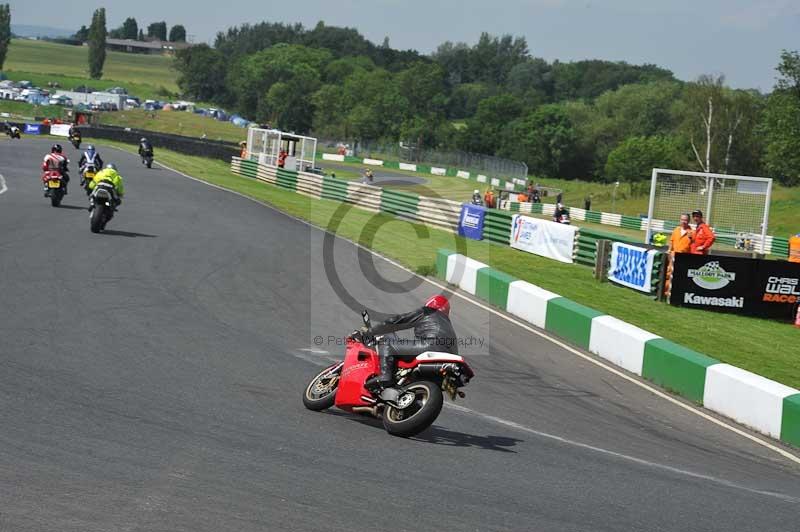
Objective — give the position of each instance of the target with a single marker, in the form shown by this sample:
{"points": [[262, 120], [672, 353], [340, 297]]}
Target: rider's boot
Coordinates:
{"points": [[386, 378]]}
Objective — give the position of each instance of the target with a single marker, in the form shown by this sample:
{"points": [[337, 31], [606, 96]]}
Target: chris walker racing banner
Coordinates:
{"points": [[632, 266], [470, 223], [542, 237], [755, 287]]}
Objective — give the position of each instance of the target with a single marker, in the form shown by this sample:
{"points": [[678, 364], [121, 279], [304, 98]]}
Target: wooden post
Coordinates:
{"points": [[601, 259]]}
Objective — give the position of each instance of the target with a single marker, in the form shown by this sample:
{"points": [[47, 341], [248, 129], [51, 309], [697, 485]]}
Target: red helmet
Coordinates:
{"points": [[440, 303]]}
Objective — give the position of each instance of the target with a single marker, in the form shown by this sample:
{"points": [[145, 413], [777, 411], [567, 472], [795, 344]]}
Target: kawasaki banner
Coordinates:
{"points": [[632, 266], [755, 287], [542, 237], [470, 223]]}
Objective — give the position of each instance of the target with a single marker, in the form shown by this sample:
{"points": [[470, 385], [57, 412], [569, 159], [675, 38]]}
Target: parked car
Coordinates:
{"points": [[117, 90], [62, 100]]}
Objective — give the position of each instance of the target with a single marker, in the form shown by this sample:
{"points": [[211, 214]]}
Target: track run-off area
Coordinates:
{"points": [[151, 376]]}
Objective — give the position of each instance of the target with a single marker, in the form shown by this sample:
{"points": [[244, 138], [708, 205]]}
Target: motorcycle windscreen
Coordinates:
{"points": [[360, 363]]}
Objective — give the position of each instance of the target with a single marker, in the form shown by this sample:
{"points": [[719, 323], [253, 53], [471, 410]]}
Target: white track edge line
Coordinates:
{"points": [[3, 187], [786, 454]]}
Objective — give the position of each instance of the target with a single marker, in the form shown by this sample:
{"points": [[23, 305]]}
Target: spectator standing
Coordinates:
{"points": [[704, 237], [488, 198], [535, 198], [587, 203], [682, 236]]}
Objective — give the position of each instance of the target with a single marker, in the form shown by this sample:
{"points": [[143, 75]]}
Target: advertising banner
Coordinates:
{"points": [[754, 287], [632, 266], [33, 129], [777, 289], [60, 130], [542, 237], [712, 282], [470, 223]]}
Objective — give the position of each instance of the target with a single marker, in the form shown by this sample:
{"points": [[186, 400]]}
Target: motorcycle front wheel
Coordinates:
{"points": [[417, 408], [320, 394]]}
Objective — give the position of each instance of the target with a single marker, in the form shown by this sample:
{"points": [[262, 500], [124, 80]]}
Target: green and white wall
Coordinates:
{"points": [[759, 403]]}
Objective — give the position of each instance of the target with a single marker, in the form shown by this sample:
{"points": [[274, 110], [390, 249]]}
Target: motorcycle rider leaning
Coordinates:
{"points": [[90, 158], [56, 162], [433, 331], [110, 175]]}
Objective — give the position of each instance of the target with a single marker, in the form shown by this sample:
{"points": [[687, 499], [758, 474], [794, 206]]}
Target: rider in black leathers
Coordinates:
{"points": [[145, 148], [433, 331]]}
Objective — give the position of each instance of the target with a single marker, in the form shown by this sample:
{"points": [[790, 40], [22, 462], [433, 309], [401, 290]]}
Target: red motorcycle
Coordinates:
{"points": [[408, 408], [54, 187]]}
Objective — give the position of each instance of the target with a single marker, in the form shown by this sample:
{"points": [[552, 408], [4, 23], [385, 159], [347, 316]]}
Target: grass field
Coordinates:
{"points": [[176, 122], [46, 58], [756, 345]]}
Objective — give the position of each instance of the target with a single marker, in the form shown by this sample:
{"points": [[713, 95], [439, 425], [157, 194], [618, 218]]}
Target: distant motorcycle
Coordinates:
{"points": [[13, 132], [147, 158], [55, 187], [102, 203], [76, 140]]}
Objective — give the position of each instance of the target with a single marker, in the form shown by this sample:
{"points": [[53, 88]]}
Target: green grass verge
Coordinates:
{"points": [[759, 346], [52, 60], [175, 122]]}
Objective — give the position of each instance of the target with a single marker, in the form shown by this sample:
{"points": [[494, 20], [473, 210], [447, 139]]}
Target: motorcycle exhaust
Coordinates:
{"points": [[431, 370], [371, 410]]}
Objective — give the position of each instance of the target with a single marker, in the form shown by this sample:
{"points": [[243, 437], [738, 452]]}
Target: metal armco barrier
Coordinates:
{"points": [[212, 149]]}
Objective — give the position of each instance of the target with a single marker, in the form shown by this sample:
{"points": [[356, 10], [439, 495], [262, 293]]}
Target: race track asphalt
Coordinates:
{"points": [[150, 379]]}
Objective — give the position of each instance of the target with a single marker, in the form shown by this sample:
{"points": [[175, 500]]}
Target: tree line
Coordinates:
{"points": [[130, 29], [592, 119]]}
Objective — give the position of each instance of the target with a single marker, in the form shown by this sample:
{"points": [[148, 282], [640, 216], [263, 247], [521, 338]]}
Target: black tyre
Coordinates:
{"points": [[419, 410], [96, 220], [320, 393], [56, 196], [149, 163]]}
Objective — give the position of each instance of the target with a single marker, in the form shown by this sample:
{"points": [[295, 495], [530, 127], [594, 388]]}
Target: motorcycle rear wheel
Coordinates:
{"points": [[320, 394], [55, 197], [96, 221], [419, 414]]}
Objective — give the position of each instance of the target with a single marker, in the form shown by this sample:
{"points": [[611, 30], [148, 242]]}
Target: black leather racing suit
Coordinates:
{"points": [[145, 148], [433, 331]]}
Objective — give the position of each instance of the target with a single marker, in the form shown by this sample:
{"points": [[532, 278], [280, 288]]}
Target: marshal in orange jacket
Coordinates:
{"points": [[704, 238]]}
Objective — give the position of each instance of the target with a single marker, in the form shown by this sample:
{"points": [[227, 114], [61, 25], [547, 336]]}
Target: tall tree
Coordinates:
{"points": [[130, 28], [177, 33], [97, 44], [5, 31], [141, 34], [781, 122], [157, 30], [789, 70]]}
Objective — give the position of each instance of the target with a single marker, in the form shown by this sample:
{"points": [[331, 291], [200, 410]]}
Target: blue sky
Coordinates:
{"points": [[739, 38]]}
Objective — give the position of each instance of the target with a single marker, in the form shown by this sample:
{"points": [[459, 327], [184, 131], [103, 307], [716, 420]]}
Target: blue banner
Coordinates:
{"points": [[470, 223], [632, 266], [33, 129]]}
